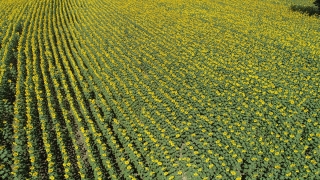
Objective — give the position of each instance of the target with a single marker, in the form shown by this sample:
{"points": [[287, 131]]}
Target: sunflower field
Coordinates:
{"points": [[159, 89]]}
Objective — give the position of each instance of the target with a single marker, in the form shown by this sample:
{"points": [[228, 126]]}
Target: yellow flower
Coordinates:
{"points": [[233, 173], [272, 150], [314, 162], [292, 165], [234, 155]]}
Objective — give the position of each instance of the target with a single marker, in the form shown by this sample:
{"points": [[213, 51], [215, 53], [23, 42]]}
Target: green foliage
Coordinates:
{"points": [[310, 10], [317, 3], [184, 89]]}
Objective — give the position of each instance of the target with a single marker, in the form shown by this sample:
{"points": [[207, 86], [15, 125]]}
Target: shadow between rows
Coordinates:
{"points": [[310, 10]]}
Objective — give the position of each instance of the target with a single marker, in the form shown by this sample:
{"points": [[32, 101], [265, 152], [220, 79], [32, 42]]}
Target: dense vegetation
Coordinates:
{"points": [[317, 3], [159, 89]]}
